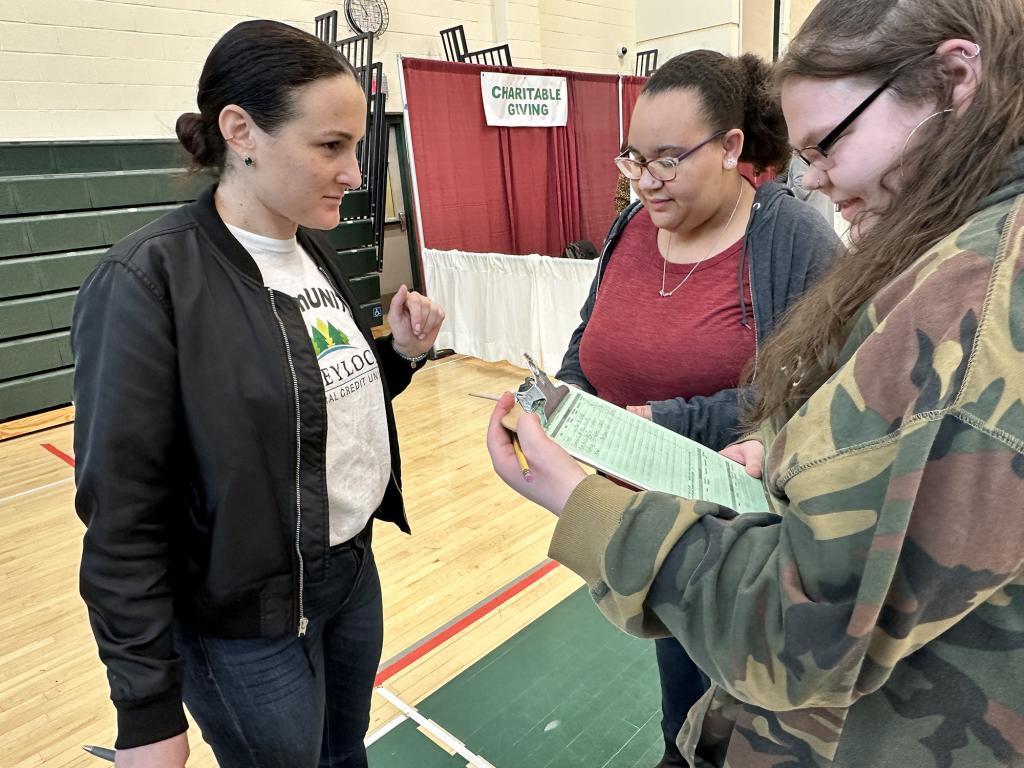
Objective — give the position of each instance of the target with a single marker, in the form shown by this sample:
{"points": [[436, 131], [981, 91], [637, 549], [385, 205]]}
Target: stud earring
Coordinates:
{"points": [[731, 162], [249, 162]]}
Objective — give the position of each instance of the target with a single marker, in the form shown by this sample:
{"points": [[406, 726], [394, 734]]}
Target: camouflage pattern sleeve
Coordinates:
{"points": [[881, 611]]}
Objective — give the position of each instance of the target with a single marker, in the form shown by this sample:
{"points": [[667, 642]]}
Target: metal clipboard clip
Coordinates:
{"points": [[538, 395]]}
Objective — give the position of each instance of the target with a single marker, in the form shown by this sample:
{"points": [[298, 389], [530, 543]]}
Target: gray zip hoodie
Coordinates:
{"points": [[787, 245]]}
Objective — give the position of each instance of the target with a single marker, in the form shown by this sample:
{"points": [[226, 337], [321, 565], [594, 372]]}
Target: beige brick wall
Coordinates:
{"points": [[799, 10], [675, 27], [757, 27], [414, 27], [583, 34], [729, 26], [112, 68], [518, 23], [116, 68], [794, 13]]}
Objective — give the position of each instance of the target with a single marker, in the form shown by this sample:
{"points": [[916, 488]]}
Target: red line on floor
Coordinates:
{"points": [[419, 652], [59, 454], [442, 637]]}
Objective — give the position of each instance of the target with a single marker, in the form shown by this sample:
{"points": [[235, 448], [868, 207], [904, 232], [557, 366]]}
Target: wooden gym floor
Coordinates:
{"points": [[493, 655]]}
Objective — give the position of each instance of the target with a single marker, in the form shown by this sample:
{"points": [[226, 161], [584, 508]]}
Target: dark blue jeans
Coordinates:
{"points": [[292, 702], [682, 683]]}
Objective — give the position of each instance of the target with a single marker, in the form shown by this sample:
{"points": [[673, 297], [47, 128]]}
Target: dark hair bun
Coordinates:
{"points": [[207, 151], [260, 66], [736, 93], [764, 126]]}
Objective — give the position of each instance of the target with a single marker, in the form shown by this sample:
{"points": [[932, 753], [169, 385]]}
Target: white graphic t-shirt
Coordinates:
{"points": [[358, 451]]}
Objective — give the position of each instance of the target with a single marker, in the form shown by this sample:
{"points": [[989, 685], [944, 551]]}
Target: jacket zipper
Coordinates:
{"points": [[303, 621]]}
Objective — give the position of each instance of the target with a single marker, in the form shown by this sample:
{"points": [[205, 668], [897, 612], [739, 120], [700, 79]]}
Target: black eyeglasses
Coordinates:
{"points": [[820, 150], [661, 168]]}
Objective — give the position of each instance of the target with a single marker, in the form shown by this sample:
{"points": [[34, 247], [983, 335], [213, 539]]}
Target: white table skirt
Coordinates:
{"points": [[498, 306]]}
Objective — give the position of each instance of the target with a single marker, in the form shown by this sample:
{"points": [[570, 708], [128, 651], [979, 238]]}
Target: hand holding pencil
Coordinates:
{"points": [[524, 467], [549, 476]]}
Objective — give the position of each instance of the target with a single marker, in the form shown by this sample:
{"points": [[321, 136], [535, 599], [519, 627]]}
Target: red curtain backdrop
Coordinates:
{"points": [[510, 190], [631, 87], [595, 122]]}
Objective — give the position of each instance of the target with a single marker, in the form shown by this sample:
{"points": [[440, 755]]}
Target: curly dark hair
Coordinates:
{"points": [[735, 93]]}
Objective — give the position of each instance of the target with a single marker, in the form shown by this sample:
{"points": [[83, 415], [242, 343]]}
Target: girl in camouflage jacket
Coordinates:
{"points": [[876, 618]]}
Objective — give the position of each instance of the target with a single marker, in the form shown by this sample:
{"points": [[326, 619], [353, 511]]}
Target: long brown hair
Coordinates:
{"points": [[957, 160]]}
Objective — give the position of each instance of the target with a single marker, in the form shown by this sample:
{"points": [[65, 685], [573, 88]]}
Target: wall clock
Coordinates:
{"points": [[367, 16]]}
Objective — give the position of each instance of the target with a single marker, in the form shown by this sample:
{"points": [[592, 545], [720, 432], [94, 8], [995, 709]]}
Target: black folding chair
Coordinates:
{"points": [[454, 40], [499, 56], [327, 26], [358, 49], [376, 146], [646, 62]]}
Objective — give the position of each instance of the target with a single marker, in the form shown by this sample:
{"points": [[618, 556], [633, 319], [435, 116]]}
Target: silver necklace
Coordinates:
{"points": [[664, 260]]}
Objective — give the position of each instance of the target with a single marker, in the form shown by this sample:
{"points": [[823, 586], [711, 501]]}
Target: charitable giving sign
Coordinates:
{"points": [[524, 100]]}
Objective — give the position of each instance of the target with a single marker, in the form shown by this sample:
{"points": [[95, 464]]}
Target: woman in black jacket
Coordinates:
{"points": [[234, 433]]}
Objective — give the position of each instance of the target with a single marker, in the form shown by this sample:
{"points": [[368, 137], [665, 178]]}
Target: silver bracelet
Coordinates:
{"points": [[411, 360]]}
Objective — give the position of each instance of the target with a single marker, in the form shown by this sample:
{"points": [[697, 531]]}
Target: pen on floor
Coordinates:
{"points": [[523, 466], [103, 752]]}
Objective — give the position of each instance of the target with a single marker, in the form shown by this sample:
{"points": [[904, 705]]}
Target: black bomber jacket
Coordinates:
{"points": [[200, 439]]}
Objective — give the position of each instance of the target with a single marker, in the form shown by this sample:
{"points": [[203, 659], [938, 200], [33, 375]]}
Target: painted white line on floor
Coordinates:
{"points": [[36, 490], [456, 358], [384, 730], [439, 733], [611, 759]]}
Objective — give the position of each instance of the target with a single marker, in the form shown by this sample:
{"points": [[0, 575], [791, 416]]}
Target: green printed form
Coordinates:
{"points": [[648, 456]]}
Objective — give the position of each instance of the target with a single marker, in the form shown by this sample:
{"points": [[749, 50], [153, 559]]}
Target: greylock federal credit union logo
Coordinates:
{"points": [[342, 375], [326, 338]]}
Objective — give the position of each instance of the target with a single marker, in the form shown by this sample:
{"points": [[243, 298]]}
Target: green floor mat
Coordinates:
{"points": [[405, 746], [568, 691]]}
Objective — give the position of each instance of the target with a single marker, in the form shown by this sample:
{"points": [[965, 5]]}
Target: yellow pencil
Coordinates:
{"points": [[527, 474]]}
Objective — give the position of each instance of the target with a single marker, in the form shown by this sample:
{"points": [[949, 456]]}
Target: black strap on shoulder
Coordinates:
{"points": [[615, 232]]}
